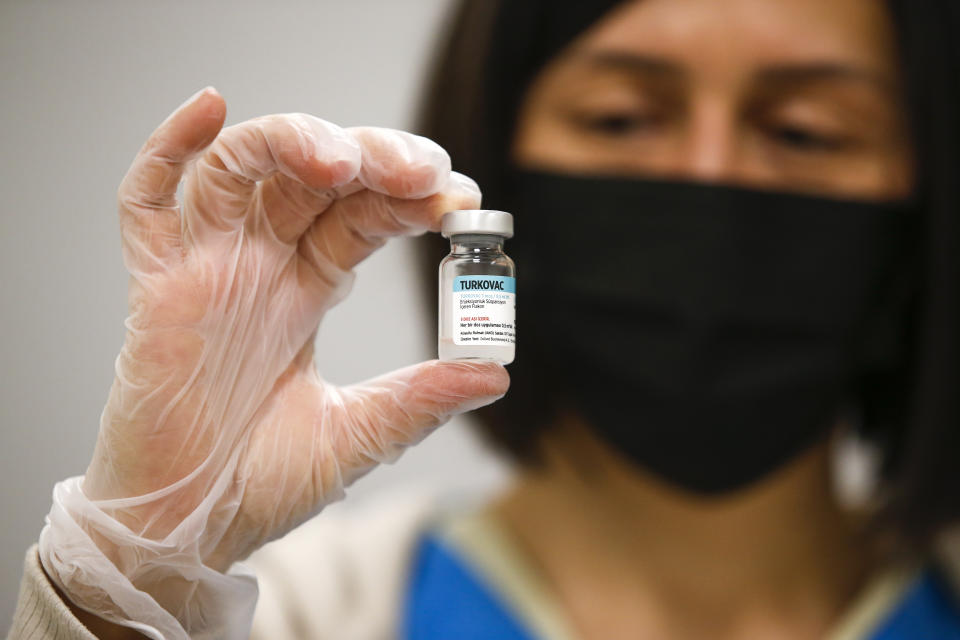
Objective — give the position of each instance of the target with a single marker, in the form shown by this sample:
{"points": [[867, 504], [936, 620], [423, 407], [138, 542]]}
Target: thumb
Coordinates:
{"points": [[383, 416]]}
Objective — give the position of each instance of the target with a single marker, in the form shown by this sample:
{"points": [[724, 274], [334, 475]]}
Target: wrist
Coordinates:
{"points": [[100, 627]]}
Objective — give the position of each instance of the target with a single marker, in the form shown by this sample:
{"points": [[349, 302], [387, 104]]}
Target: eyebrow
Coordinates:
{"points": [[628, 61], [785, 73], [824, 71]]}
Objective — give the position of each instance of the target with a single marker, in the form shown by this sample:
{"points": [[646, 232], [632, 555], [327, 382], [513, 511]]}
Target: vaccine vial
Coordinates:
{"points": [[478, 290]]}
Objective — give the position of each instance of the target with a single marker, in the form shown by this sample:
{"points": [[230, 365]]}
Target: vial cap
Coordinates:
{"points": [[476, 221]]}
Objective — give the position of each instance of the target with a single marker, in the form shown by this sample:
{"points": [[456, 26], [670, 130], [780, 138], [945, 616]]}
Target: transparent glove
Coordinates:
{"points": [[218, 434]]}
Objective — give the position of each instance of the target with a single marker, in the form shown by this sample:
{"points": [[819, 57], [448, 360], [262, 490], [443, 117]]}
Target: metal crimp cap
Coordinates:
{"points": [[476, 221]]}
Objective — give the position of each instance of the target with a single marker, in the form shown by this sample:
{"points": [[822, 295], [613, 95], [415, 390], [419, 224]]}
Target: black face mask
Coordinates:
{"points": [[708, 333]]}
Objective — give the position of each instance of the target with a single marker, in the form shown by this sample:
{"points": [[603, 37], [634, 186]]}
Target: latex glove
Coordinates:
{"points": [[218, 434]]}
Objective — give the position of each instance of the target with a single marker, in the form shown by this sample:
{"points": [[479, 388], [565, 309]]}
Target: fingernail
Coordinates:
{"points": [[466, 184], [208, 89]]}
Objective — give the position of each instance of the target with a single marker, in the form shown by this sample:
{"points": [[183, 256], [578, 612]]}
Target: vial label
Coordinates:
{"points": [[484, 310]]}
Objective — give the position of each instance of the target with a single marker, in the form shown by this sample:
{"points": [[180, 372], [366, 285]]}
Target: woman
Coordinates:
{"points": [[736, 227]]}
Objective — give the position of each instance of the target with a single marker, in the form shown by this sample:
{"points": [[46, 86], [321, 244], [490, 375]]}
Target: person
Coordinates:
{"points": [[736, 229]]}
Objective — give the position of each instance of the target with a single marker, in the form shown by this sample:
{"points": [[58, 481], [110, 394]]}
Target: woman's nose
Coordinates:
{"points": [[709, 148]]}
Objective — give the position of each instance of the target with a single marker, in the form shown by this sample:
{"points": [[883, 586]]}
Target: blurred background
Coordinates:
{"points": [[83, 86]]}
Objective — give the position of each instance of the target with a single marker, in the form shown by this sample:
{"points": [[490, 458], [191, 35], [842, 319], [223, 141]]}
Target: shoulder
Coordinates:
{"points": [[341, 575]]}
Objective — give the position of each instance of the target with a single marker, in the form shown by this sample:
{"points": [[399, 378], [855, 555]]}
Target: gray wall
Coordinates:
{"points": [[83, 84]]}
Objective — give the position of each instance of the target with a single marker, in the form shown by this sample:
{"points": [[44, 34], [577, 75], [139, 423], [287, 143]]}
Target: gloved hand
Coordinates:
{"points": [[218, 434]]}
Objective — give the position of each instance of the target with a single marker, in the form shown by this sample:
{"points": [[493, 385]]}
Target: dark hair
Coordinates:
{"points": [[492, 51]]}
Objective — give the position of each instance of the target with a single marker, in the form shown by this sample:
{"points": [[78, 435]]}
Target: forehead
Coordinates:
{"points": [[745, 33]]}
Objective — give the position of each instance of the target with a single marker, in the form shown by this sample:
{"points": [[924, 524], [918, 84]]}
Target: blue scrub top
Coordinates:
{"points": [[446, 600]]}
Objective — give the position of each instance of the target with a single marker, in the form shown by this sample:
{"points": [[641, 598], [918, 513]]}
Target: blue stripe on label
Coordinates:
{"points": [[483, 284]]}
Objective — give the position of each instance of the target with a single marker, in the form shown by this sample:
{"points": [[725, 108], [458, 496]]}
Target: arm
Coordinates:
{"points": [[219, 433]]}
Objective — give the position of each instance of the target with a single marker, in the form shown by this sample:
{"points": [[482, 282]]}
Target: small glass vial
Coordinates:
{"points": [[478, 288]]}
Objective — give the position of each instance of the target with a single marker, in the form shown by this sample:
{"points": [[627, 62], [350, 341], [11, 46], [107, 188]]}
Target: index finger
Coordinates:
{"points": [[409, 185], [400, 164], [356, 226]]}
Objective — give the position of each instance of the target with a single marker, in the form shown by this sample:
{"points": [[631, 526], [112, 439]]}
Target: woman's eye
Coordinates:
{"points": [[616, 124], [805, 139]]}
